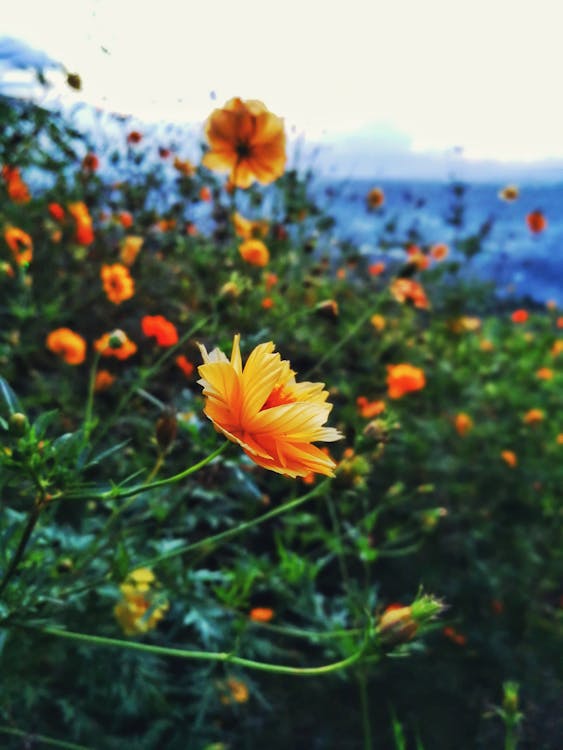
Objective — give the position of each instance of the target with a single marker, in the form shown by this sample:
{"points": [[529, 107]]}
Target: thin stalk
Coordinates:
{"points": [[364, 705], [32, 737], [213, 656], [90, 399], [18, 554]]}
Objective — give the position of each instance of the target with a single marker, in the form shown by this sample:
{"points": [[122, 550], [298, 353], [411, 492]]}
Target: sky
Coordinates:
{"points": [[480, 77]]}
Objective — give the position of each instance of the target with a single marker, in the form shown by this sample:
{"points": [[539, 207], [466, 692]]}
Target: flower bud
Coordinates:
{"points": [[166, 430], [18, 424], [396, 625]]}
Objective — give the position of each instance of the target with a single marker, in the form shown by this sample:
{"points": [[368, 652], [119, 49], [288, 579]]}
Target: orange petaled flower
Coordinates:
{"points": [[125, 219], [273, 418], [533, 416], [557, 348], [233, 691], [375, 198], [270, 280], [247, 141], [248, 229], [205, 194], [117, 281], [104, 379], [56, 211], [559, 439], [509, 458], [378, 322], [18, 191], [68, 345], [261, 614], [185, 365], [184, 166], [115, 344], [255, 252], [84, 234], [20, 243], [163, 330], [129, 249], [90, 163], [559, 322], [519, 316], [439, 252], [536, 222], [369, 409], [375, 269], [509, 193], [454, 636], [407, 290], [544, 373], [463, 423], [404, 378], [267, 303]]}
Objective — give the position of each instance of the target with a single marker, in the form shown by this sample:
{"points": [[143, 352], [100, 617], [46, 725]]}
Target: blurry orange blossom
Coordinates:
{"points": [[533, 416], [125, 219], [378, 322], [68, 345], [248, 229], [129, 249], [509, 193], [246, 140], [463, 423], [557, 347], [261, 614], [18, 192], [375, 269], [117, 282], [134, 137], [90, 163], [519, 316], [233, 691], [162, 329], [255, 252], [509, 457], [404, 378], [115, 344], [439, 252], [184, 364], [369, 409], [544, 373], [261, 407], [536, 222], [404, 290], [104, 379], [184, 166], [20, 243], [375, 198], [56, 211], [84, 233]]}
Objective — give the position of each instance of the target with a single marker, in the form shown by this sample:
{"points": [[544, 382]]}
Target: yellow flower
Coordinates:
{"points": [[248, 229], [247, 141], [130, 248], [378, 322], [262, 408], [141, 608]]}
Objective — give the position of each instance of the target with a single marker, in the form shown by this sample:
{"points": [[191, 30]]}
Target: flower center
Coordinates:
{"points": [[243, 150], [277, 397]]}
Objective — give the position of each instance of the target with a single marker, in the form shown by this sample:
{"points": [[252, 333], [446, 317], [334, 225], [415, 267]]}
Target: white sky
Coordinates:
{"points": [[481, 74]]}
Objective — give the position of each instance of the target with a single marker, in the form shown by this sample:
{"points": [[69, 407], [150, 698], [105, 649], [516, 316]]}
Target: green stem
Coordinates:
{"points": [[31, 521], [210, 541], [31, 736], [90, 400], [364, 704], [214, 656]]}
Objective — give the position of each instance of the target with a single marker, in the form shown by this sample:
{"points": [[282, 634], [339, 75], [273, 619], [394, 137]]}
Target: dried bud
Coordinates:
{"points": [[74, 81], [166, 429]]}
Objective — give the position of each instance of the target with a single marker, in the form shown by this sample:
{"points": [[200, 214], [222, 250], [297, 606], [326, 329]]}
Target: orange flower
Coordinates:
{"points": [[404, 378], [184, 166], [485, 345], [247, 141], [375, 198], [557, 348], [125, 219], [262, 408], [90, 163], [115, 344], [267, 303], [84, 233], [544, 373], [129, 249], [375, 269], [233, 691], [519, 316], [509, 457], [69, 345], [104, 380], [255, 252], [408, 290], [205, 194], [18, 191], [536, 222], [509, 193], [439, 252], [185, 365], [533, 416], [134, 137], [369, 409], [559, 439], [463, 423], [454, 636], [559, 322], [378, 322], [261, 614], [248, 229], [20, 243], [270, 280], [163, 330], [117, 281], [56, 211]]}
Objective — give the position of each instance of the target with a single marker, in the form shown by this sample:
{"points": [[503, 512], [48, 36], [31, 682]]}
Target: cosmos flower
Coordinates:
{"points": [[369, 409], [162, 329], [117, 282], [20, 243], [439, 252], [404, 378], [261, 407], [18, 192], [247, 141], [255, 253], [185, 365], [375, 198], [536, 221], [104, 379], [115, 344], [84, 233], [407, 290], [68, 345]]}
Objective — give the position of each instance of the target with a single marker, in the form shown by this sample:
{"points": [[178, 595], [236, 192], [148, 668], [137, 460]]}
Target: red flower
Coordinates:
{"points": [[536, 222], [185, 365], [56, 211], [134, 137], [90, 163], [163, 330], [519, 316]]}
